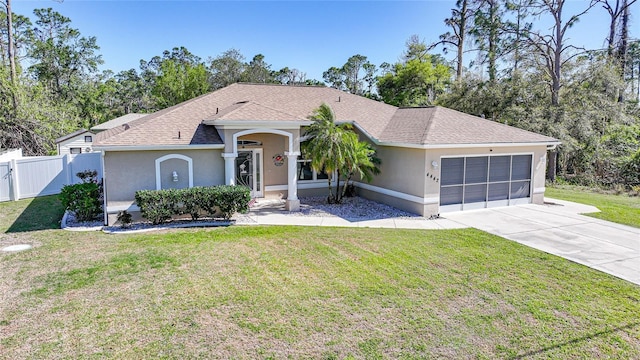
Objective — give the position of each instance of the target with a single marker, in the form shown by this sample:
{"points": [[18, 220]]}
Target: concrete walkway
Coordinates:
{"points": [[556, 228]]}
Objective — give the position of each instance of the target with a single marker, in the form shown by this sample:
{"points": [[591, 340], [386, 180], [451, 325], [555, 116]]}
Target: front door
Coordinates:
{"points": [[249, 171]]}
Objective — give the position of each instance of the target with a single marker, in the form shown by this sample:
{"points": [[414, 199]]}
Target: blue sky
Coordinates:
{"points": [[308, 35]]}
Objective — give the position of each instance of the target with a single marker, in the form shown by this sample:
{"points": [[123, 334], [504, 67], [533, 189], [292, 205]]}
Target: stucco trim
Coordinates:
{"points": [[539, 190], [117, 208], [258, 124], [261, 130], [397, 194], [490, 154], [158, 147], [173, 156], [490, 145], [317, 184]]}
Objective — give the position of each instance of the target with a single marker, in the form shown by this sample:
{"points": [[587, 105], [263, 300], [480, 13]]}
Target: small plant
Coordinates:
{"points": [[125, 218], [88, 176]]}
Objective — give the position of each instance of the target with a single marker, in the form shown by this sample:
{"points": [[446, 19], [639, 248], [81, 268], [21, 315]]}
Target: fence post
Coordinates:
{"points": [[15, 187], [67, 168], [104, 189]]}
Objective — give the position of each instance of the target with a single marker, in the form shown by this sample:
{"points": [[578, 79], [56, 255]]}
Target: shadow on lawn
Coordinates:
{"points": [[576, 340], [40, 214]]}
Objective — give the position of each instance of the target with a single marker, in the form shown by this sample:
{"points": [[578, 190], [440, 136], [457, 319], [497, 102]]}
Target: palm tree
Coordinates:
{"points": [[362, 162], [327, 145], [335, 149]]}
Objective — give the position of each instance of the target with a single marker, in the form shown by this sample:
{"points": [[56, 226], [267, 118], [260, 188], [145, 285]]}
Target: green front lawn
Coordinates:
{"points": [[622, 209], [297, 292]]}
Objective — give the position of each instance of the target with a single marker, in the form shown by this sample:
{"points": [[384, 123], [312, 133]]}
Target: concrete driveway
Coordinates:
{"points": [[558, 228]]}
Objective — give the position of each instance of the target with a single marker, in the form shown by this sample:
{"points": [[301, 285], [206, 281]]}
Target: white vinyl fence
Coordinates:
{"points": [[43, 175]]}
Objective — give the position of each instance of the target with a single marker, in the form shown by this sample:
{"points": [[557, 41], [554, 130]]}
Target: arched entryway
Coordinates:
{"points": [[255, 161]]}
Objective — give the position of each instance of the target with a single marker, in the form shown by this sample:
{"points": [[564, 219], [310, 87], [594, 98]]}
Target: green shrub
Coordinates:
{"points": [[209, 201], [159, 206], [232, 199], [631, 170], [192, 201], [82, 199]]}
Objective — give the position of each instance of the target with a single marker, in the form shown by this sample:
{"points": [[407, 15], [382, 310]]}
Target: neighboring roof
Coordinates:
{"points": [[270, 103], [117, 121], [73, 134]]}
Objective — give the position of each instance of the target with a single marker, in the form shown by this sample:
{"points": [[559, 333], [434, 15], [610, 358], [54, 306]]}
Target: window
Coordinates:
{"points": [[306, 173], [75, 150], [88, 138], [243, 143]]}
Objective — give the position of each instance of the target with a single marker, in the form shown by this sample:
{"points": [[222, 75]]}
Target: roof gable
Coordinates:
{"points": [[73, 134]]}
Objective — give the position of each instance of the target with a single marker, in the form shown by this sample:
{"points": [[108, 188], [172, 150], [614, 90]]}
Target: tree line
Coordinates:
{"points": [[502, 68], [50, 83]]}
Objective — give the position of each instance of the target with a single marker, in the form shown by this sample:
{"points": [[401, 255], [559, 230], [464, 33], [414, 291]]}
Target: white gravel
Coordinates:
{"points": [[72, 222], [352, 208], [175, 224]]}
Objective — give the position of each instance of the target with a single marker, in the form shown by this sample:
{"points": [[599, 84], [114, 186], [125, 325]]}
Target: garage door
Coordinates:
{"points": [[475, 182]]}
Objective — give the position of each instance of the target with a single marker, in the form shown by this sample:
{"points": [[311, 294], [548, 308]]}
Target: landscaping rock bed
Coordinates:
{"points": [[176, 224], [353, 208], [69, 222]]}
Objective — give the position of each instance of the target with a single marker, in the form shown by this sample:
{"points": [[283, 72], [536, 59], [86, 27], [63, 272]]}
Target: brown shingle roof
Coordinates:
{"points": [[250, 110], [266, 102], [438, 126]]}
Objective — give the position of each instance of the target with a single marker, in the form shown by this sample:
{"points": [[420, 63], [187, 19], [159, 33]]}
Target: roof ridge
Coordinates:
{"points": [[480, 118], [281, 85], [427, 129], [274, 109], [238, 105]]}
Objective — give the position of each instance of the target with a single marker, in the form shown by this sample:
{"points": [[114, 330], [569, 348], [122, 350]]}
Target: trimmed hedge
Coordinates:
{"points": [[82, 199], [223, 201]]}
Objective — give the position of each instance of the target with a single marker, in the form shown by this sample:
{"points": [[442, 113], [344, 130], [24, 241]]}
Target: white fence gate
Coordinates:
{"points": [[5, 182], [43, 175]]}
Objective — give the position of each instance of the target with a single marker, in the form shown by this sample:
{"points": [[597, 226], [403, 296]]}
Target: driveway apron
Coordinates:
{"points": [[558, 228]]}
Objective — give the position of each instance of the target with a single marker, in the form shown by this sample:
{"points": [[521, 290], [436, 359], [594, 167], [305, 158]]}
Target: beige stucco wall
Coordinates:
{"points": [[401, 169], [410, 171], [129, 171]]}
